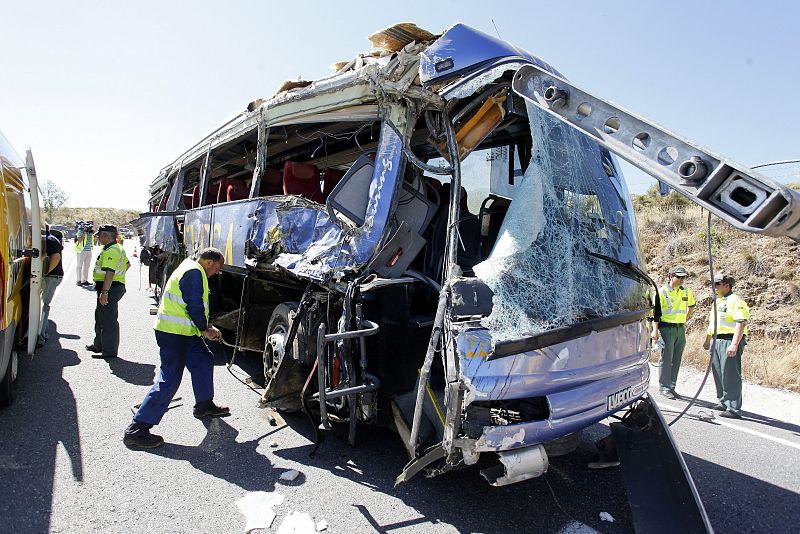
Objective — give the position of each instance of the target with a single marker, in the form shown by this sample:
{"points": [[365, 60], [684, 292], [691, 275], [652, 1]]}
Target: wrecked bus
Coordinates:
{"points": [[438, 238]]}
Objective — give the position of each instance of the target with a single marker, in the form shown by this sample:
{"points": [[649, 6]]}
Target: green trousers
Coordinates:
{"points": [[674, 342], [727, 372]]}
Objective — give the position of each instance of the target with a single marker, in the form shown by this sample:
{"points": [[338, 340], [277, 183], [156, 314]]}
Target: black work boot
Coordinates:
{"points": [[138, 436], [209, 409]]}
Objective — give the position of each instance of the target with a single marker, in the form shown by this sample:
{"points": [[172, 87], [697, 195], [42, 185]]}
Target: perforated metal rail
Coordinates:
{"points": [[735, 193]]}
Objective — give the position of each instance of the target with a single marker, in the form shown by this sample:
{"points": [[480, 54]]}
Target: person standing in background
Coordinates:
{"points": [[733, 313], [84, 243], [677, 306], [109, 279]]}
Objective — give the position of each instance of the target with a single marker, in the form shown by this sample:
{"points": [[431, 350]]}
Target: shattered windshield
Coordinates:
{"points": [[569, 203]]}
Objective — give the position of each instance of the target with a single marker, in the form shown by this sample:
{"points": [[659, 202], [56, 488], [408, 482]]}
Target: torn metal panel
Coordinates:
{"points": [[576, 378], [176, 193], [386, 181], [231, 226], [197, 230], [159, 231], [314, 245], [517, 465], [662, 494], [597, 356], [265, 233], [461, 48]]}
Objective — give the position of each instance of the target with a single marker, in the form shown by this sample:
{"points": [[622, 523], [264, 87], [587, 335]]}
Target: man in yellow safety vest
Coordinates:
{"points": [[677, 305], [181, 323], [732, 315], [84, 243], [109, 281]]}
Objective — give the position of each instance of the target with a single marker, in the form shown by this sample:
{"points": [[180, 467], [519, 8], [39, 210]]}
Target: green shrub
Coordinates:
{"points": [[674, 201], [717, 239]]}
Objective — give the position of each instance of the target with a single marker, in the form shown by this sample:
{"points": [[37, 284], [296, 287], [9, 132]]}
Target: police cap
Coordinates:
{"points": [[678, 271], [108, 228], [724, 278]]}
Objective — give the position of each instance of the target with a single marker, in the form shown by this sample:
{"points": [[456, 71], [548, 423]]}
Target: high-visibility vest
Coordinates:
{"points": [[173, 317], [80, 244], [111, 257], [730, 310], [675, 304]]}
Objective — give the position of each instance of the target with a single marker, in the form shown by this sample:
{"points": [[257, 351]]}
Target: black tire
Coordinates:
{"points": [[8, 386], [284, 375]]}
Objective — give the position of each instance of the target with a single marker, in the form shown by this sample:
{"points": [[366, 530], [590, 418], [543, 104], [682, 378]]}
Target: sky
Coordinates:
{"points": [[107, 93]]}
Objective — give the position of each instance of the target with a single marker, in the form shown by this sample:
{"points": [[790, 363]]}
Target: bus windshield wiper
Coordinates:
{"points": [[632, 270]]}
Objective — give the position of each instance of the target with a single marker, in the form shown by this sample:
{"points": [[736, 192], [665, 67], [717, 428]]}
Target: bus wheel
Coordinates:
{"points": [[8, 386], [284, 375]]}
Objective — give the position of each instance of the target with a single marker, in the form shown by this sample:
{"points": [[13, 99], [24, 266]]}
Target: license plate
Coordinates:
{"points": [[615, 400]]}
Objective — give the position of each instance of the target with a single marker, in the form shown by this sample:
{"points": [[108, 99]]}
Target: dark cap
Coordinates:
{"points": [[108, 228], [678, 271], [724, 278]]}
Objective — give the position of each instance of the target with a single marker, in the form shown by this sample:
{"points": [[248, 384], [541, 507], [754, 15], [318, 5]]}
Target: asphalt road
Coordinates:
{"points": [[63, 467]]}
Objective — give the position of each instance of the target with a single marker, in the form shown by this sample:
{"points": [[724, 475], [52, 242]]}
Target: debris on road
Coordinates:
{"points": [[273, 444], [290, 475], [257, 509], [297, 523]]}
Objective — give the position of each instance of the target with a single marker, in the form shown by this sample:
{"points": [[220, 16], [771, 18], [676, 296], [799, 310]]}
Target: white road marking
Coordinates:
{"points": [[746, 430]]}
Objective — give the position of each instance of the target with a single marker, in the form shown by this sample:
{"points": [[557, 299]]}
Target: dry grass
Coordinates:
{"points": [[117, 217], [767, 272], [769, 362]]}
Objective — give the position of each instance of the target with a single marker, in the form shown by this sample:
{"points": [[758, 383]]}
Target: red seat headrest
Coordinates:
{"points": [[271, 183], [301, 179]]}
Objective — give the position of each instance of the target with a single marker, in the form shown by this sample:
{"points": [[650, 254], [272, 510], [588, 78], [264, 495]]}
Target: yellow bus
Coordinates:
{"points": [[20, 264]]}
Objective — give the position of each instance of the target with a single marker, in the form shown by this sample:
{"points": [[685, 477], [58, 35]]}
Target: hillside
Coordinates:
{"points": [[767, 272], [117, 217]]}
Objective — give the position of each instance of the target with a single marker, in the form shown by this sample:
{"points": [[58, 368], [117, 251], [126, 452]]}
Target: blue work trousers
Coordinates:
{"points": [[176, 353]]}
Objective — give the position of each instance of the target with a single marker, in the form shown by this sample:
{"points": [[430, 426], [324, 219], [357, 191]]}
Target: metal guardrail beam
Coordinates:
{"points": [[735, 193]]}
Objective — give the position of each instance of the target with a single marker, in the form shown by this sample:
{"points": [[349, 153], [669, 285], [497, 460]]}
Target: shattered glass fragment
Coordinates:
{"points": [[564, 208]]}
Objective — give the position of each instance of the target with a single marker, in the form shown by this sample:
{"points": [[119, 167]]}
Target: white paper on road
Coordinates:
{"points": [[297, 523], [257, 506]]}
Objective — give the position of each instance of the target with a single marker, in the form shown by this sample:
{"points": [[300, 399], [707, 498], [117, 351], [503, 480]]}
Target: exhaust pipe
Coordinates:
{"points": [[516, 466]]}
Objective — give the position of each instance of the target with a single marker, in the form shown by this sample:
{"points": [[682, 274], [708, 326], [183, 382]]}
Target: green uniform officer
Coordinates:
{"points": [[677, 305], [732, 315], [109, 281]]}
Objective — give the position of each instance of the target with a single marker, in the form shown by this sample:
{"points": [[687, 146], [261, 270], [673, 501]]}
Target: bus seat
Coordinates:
{"points": [[196, 196], [187, 200], [237, 190], [271, 183], [301, 179], [212, 193]]}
